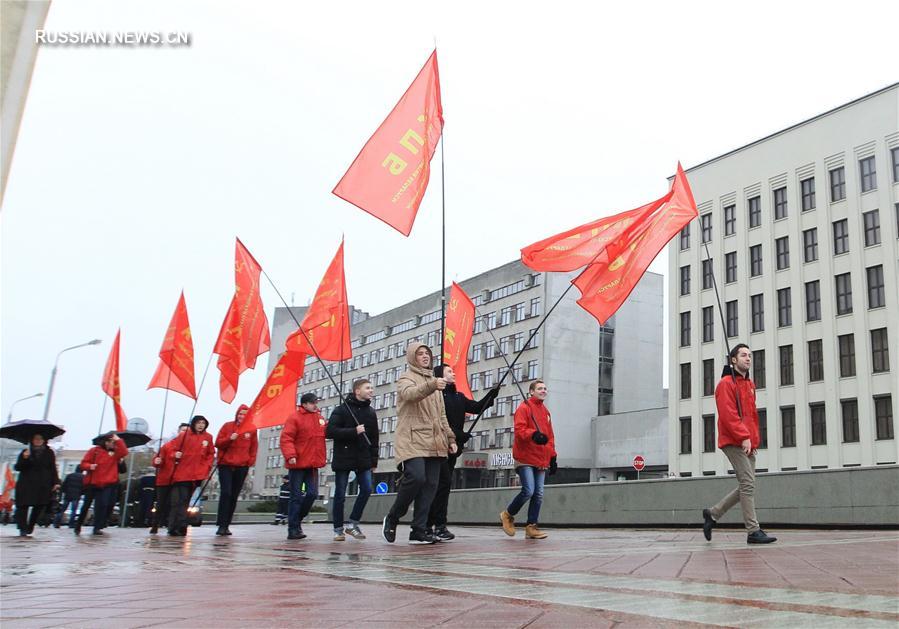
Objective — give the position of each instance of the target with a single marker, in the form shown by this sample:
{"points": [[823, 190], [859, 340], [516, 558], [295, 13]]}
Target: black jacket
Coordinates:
{"points": [[73, 485], [457, 406], [351, 452], [37, 475]]}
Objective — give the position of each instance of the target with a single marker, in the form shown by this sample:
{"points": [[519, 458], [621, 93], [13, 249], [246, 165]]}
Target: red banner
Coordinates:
{"points": [[390, 175], [111, 385], [176, 356], [278, 397], [458, 330], [245, 334]]}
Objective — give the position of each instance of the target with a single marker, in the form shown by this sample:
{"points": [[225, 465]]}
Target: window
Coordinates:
{"points": [[476, 353], [758, 368], [518, 344], [685, 381], [894, 155], [685, 280], [708, 376], [705, 228], [730, 220], [807, 188], [872, 228], [755, 212], [780, 203], [788, 427], [819, 424], [844, 293], [837, 184], [708, 433], [757, 303], [840, 237], [815, 361], [763, 428], [520, 312], [707, 274], [868, 170], [784, 308], [883, 414], [876, 295], [846, 345], [532, 370], [786, 365], [730, 267], [684, 329], [782, 246], [755, 260], [880, 351], [491, 320], [505, 316], [849, 412], [535, 307], [732, 322], [685, 237], [708, 324], [813, 301], [810, 244], [686, 435]]}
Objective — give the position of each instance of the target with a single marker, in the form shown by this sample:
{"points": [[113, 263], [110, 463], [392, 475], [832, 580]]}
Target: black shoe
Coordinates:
{"points": [[443, 535], [422, 537], [220, 531], [389, 529], [23, 533], [154, 530], [708, 523], [295, 534], [77, 529], [227, 531], [759, 537], [98, 532]]}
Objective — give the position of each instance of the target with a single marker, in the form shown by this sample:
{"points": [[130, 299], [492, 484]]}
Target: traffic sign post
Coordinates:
{"points": [[639, 464]]}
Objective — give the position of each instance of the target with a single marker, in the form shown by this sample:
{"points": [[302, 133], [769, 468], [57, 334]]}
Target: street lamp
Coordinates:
{"points": [[28, 397], [53, 373]]}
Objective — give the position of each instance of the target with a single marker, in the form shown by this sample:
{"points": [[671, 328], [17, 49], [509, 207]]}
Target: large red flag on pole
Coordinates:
{"points": [[111, 385], [176, 356], [457, 336], [390, 175], [245, 334]]}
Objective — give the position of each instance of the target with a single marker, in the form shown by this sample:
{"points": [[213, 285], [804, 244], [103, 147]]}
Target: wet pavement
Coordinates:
{"points": [[575, 578]]}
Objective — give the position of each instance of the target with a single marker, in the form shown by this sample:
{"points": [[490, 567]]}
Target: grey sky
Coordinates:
{"points": [[136, 167]]}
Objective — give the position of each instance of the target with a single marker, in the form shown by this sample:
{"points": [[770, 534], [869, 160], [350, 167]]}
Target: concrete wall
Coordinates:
{"points": [[840, 497], [618, 438]]}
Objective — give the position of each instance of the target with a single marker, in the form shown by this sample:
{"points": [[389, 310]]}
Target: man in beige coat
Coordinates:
{"points": [[423, 440]]}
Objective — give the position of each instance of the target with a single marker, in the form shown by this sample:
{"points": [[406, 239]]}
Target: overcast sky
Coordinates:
{"points": [[136, 167]]}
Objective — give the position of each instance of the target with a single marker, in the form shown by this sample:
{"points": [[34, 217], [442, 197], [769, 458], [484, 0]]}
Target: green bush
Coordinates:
{"points": [[267, 506]]}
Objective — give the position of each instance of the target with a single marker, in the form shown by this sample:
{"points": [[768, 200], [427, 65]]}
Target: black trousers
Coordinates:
{"points": [[163, 506], [437, 515], [88, 495], [418, 484], [180, 500], [26, 523], [231, 481]]}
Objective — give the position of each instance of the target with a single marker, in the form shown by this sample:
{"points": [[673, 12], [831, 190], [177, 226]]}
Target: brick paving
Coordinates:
{"points": [[576, 578]]}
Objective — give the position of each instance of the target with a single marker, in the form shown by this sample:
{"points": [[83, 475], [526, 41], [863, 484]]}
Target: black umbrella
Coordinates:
{"points": [[24, 429], [131, 438]]}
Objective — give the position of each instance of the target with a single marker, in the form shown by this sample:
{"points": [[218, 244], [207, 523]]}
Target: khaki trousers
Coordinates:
{"points": [[744, 493]]}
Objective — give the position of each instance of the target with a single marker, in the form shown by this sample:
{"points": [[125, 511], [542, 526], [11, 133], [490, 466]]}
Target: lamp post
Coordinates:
{"points": [[27, 397], [55, 368]]}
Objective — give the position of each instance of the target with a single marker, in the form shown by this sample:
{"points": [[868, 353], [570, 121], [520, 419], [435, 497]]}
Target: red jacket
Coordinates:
{"points": [[731, 429], [197, 453], [238, 453], [303, 438], [524, 450], [166, 470], [107, 461]]}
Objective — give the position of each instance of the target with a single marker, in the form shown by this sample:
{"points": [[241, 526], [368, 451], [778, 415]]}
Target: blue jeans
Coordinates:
{"points": [[300, 502], [531, 489], [104, 499], [363, 477], [62, 509]]}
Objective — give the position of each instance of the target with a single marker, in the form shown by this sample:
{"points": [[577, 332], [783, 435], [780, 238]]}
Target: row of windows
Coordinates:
{"points": [[486, 379], [817, 417], [507, 345], [507, 315]]}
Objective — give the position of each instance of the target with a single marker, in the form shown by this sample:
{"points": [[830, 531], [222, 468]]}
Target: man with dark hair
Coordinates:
{"points": [[738, 438], [303, 448], [164, 462]]}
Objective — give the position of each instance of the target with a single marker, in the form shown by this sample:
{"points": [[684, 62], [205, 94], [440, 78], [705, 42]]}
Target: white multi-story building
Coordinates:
{"points": [[801, 228]]}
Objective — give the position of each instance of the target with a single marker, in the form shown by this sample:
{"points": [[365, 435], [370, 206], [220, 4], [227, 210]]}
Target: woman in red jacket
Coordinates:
{"points": [[236, 453], [193, 460], [165, 470], [303, 447], [101, 480], [534, 450]]}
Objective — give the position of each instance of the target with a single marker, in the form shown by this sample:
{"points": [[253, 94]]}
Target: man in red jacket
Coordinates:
{"points": [[236, 453], [165, 470], [534, 451], [102, 480], [738, 438], [303, 447], [193, 460]]}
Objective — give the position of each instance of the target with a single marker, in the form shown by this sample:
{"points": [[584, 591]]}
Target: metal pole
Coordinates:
{"points": [[50, 389], [442, 250], [102, 414], [124, 521]]}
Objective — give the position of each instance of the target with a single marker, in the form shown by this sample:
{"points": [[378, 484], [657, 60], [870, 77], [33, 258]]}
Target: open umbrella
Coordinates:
{"points": [[131, 438], [24, 429]]}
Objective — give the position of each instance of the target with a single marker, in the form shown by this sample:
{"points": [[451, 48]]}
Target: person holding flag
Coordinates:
{"points": [[165, 470], [193, 461], [303, 447], [236, 453], [102, 480]]}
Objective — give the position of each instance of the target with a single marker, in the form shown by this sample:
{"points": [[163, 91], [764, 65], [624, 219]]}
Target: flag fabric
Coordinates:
{"points": [[9, 484], [176, 356], [458, 330], [390, 175], [111, 385], [278, 397], [244, 335]]}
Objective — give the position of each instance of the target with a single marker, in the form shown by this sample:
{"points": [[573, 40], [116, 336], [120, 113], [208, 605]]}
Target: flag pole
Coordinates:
{"points": [[442, 247], [202, 382], [723, 328], [102, 414], [505, 360]]}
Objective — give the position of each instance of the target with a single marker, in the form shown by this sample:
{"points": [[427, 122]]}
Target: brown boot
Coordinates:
{"points": [[532, 532], [508, 523]]}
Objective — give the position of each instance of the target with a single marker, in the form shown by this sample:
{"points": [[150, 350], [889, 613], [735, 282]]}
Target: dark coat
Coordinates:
{"points": [[37, 475], [457, 406], [351, 452], [72, 486]]}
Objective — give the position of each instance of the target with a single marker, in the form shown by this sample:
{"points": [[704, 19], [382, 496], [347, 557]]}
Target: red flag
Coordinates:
{"points": [[9, 484], [111, 386], [176, 356], [278, 397], [606, 283], [244, 335], [390, 175], [458, 330]]}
